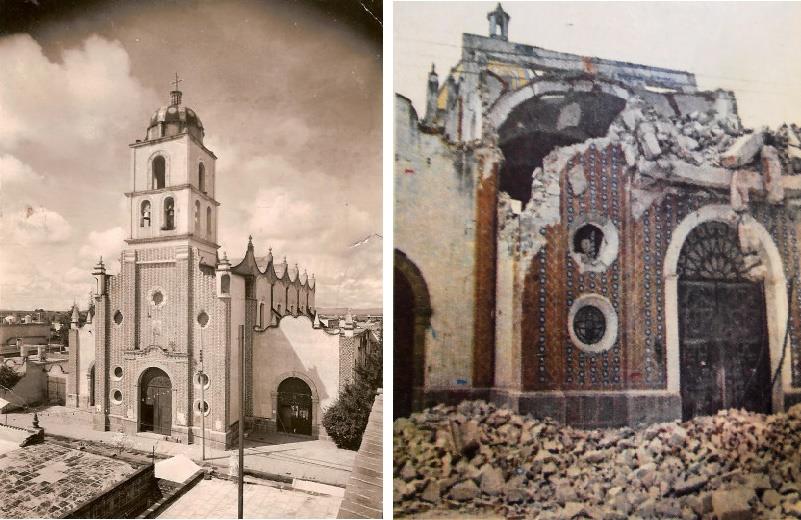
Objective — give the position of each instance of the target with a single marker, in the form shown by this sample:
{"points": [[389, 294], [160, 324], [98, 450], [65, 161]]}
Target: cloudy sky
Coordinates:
{"points": [[750, 48], [290, 98]]}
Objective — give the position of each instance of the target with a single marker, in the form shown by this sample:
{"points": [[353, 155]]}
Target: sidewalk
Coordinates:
{"points": [[315, 460]]}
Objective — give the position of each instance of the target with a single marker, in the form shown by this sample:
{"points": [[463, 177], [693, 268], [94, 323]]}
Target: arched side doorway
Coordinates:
{"points": [[294, 407], [774, 293], [155, 402], [412, 318], [724, 351]]}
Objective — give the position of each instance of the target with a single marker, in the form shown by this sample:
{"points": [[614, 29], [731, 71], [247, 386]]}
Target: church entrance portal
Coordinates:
{"points": [[294, 407], [155, 402], [724, 355], [412, 319]]}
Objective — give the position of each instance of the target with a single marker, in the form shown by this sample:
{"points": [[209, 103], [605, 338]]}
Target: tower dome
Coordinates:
{"points": [[174, 119]]}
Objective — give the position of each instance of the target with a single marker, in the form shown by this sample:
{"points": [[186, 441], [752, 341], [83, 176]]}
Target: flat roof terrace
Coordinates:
{"points": [[49, 480]]}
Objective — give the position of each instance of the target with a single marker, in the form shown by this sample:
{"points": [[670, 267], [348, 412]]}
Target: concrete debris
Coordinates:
{"points": [[734, 465], [743, 150]]}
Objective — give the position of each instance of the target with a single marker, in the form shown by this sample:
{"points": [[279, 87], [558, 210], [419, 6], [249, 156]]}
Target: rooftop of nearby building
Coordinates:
{"points": [[49, 480]]}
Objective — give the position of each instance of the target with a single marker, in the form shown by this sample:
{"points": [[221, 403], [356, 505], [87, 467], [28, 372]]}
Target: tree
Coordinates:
{"points": [[346, 419], [8, 377]]}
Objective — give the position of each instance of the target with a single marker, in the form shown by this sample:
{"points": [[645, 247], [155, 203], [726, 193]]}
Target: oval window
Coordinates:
{"points": [[118, 372], [118, 317], [203, 319], [116, 396]]}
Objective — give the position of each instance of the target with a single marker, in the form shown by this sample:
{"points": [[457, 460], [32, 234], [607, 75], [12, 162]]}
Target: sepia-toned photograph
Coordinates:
{"points": [[191, 303], [597, 311]]}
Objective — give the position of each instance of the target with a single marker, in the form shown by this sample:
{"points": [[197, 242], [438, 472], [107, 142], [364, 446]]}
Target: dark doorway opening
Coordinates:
{"points": [[294, 407], [403, 346], [155, 402], [412, 320], [724, 352]]}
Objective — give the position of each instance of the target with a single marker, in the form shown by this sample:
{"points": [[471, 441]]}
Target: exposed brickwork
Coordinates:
{"points": [[363, 494], [484, 320]]}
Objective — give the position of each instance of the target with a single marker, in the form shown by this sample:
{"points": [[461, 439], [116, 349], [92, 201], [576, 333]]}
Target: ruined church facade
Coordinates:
{"points": [[591, 240]]}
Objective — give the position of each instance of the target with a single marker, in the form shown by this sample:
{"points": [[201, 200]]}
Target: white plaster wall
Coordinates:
{"points": [[294, 346], [86, 357], [176, 156], [435, 228]]}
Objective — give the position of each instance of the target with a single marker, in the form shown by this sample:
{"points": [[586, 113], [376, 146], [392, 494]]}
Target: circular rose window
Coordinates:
{"points": [[589, 325], [593, 243], [592, 323]]}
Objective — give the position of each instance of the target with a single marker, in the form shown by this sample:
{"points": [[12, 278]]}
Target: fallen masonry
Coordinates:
{"points": [[480, 460]]}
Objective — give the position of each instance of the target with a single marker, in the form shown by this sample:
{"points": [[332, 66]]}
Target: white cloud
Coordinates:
{"points": [[32, 226], [96, 95], [12, 170], [107, 244]]}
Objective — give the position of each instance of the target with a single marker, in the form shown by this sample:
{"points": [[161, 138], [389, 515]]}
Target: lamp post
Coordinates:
{"points": [[202, 377]]}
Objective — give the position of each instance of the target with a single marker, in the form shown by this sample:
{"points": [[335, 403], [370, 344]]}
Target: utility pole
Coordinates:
{"points": [[241, 419]]}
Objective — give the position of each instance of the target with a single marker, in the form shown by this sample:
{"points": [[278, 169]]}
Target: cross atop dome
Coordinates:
{"points": [[175, 94]]}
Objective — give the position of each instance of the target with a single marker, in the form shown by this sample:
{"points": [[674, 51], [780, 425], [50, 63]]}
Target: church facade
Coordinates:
{"points": [[160, 349], [591, 240]]}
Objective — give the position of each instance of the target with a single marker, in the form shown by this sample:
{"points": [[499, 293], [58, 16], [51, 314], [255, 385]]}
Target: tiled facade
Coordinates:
{"points": [[523, 157]]}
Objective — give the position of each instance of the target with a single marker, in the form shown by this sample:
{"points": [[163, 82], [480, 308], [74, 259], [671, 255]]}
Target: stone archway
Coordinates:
{"points": [[412, 317], [313, 401], [155, 402], [775, 294], [294, 413]]}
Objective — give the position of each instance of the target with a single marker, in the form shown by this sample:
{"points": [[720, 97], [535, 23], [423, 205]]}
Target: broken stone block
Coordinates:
{"points": [[771, 498], [470, 437], [732, 504], [464, 491], [742, 151], [492, 481], [772, 173], [650, 145], [572, 510], [432, 492]]}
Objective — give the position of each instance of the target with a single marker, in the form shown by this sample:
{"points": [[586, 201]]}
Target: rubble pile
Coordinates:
{"points": [[481, 459]]}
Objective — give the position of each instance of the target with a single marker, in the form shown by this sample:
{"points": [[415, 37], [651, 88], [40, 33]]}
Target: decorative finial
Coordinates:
{"points": [[35, 420], [433, 71], [175, 94], [250, 242], [284, 259]]}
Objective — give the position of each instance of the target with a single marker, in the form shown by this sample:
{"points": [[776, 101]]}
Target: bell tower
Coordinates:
{"points": [[173, 197]]}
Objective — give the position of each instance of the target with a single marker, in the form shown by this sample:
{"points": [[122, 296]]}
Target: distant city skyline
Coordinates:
{"points": [[290, 104]]}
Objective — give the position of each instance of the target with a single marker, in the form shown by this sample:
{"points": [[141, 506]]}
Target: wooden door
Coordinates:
{"points": [[156, 403], [725, 361]]}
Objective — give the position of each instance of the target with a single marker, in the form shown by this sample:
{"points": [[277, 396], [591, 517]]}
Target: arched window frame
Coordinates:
{"points": [[169, 213], [208, 222], [158, 182], [201, 177], [145, 214], [197, 217]]}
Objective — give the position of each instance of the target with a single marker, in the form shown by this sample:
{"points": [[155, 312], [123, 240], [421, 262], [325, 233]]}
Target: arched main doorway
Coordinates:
{"points": [[724, 349], [294, 407], [412, 317], [155, 402]]}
